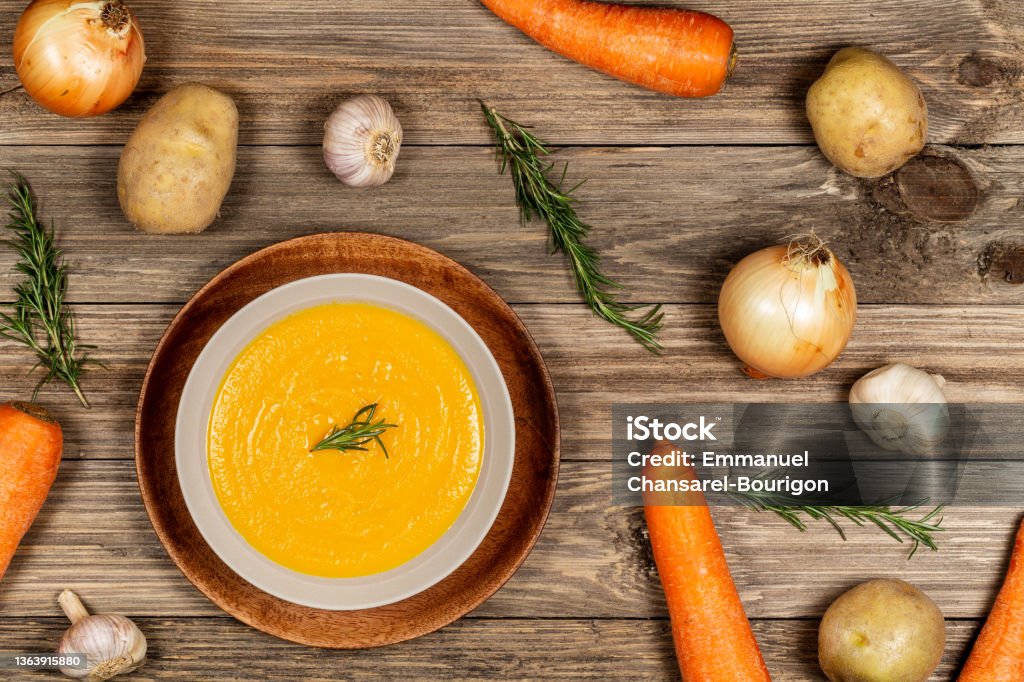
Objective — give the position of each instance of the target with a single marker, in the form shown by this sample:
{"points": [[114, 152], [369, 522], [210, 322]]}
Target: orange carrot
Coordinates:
{"points": [[998, 654], [675, 51], [30, 449], [713, 639]]}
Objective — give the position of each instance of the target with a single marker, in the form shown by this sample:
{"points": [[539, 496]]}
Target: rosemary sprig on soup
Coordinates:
{"points": [[342, 513], [362, 431]]}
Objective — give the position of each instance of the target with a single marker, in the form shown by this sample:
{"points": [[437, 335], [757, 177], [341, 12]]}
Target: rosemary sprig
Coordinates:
{"points": [[894, 521], [39, 319], [360, 432], [539, 196]]}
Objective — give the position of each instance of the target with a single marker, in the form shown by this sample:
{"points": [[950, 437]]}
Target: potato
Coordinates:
{"points": [[179, 162], [881, 631], [868, 117]]}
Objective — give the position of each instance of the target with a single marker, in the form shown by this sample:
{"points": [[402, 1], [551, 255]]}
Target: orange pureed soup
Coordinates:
{"points": [[345, 514]]}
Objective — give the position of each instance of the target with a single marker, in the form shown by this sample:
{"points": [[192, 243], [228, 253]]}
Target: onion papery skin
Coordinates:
{"points": [[787, 315], [71, 62]]}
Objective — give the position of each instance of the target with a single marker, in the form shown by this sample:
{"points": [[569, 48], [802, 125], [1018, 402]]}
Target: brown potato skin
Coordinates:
{"points": [[868, 117], [178, 164], [881, 631]]}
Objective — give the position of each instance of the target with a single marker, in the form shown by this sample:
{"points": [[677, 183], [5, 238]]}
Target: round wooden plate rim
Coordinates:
{"points": [[500, 573]]}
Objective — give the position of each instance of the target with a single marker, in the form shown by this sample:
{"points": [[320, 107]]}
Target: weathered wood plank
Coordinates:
{"points": [[471, 649], [289, 65], [593, 365], [593, 559], [669, 223]]}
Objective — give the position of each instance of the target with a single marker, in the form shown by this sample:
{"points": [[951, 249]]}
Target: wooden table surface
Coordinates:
{"points": [[678, 191]]}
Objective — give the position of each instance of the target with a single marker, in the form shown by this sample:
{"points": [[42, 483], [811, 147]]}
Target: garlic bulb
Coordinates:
{"points": [[361, 141], [901, 408], [113, 645]]}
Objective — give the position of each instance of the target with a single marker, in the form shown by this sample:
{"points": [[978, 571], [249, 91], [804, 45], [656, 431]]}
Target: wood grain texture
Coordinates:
{"points": [[592, 561], [289, 65], [472, 649], [669, 223], [592, 365]]}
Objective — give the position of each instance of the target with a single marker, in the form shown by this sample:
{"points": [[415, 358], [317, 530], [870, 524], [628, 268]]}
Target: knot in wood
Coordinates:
{"points": [[936, 188]]}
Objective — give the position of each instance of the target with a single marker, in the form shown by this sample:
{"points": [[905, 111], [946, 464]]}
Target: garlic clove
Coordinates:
{"points": [[113, 645], [362, 139], [901, 408]]}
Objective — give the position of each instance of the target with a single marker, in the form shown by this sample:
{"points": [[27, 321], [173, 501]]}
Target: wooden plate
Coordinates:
{"points": [[530, 492]]}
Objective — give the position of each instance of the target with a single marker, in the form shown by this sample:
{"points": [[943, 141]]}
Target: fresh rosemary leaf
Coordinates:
{"points": [[895, 522], [538, 196], [39, 318], [357, 434]]}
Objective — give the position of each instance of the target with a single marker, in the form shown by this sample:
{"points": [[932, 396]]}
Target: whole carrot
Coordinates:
{"points": [[998, 654], [713, 639], [30, 448], [675, 51]]}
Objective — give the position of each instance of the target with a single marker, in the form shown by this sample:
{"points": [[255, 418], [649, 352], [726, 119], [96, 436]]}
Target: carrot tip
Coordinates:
{"points": [[37, 411]]}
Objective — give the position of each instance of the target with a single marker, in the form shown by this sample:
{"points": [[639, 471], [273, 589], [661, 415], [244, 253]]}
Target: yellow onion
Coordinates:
{"points": [[78, 58], [788, 311]]}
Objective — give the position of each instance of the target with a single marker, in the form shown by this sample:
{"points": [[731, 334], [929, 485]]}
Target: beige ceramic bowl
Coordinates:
{"points": [[416, 575]]}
